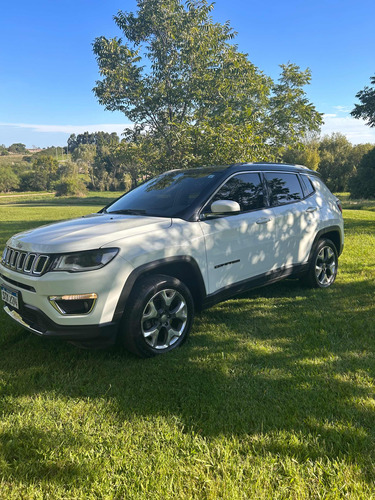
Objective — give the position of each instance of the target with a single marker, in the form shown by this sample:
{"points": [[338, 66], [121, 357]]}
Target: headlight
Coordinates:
{"points": [[84, 261]]}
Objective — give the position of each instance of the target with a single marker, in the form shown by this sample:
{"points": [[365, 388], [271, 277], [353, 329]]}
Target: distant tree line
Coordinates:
{"points": [[340, 163], [102, 162]]}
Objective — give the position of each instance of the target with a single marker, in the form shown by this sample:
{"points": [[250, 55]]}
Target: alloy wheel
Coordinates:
{"points": [[164, 319], [325, 266]]}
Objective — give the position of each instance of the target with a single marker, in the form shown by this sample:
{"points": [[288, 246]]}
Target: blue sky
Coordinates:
{"points": [[48, 68]]}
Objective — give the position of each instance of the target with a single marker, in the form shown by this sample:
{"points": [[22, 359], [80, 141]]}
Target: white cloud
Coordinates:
{"points": [[70, 129], [354, 129], [342, 109]]}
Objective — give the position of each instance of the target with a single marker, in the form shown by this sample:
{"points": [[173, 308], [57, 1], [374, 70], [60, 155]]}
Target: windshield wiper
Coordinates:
{"points": [[128, 211]]}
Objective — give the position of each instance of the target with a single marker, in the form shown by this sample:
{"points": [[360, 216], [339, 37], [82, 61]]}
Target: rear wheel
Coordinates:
{"points": [[323, 266], [158, 317]]}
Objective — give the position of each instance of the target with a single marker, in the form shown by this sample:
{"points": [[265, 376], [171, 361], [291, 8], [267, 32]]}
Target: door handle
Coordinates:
{"points": [[263, 220], [310, 210]]}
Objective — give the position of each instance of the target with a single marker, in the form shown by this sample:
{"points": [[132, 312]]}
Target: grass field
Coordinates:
{"points": [[350, 204], [273, 395]]}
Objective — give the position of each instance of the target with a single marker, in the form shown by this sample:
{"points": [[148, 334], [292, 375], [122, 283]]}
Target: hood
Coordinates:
{"points": [[86, 233]]}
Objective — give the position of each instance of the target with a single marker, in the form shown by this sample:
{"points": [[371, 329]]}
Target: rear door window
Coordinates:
{"points": [[283, 188]]}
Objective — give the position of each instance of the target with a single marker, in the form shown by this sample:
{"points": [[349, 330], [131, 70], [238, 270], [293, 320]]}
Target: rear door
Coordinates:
{"points": [[295, 218], [239, 246]]}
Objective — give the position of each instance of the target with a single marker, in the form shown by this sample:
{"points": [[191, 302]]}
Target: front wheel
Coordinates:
{"points": [[158, 317], [323, 265]]}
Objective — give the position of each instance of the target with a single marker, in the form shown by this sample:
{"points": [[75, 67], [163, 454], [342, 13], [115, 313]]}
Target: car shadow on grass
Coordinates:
{"points": [[286, 370]]}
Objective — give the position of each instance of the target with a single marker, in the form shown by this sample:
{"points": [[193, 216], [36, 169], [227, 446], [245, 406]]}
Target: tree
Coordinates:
{"points": [[179, 77], [357, 153], [9, 181], [291, 113], [18, 148], [336, 161], [95, 138], [44, 173], [136, 157], [366, 110], [306, 153], [84, 155], [362, 184], [3, 150]]}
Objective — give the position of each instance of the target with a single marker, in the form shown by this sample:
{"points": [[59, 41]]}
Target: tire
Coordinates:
{"points": [[158, 316], [323, 265]]}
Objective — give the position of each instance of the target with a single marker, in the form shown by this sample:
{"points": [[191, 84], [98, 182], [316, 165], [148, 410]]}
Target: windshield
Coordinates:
{"points": [[166, 195]]}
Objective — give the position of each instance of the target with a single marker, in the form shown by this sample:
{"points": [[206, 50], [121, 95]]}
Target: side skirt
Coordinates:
{"points": [[251, 283]]}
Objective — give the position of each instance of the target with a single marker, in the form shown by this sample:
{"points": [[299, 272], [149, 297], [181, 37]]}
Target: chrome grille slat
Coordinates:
{"points": [[40, 264], [21, 261], [14, 259], [30, 263], [8, 255]]}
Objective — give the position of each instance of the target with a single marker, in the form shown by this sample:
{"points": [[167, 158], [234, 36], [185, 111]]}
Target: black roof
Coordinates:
{"points": [[273, 166]]}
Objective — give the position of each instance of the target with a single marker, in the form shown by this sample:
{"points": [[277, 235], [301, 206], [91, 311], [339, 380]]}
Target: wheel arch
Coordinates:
{"points": [[184, 268], [333, 233]]}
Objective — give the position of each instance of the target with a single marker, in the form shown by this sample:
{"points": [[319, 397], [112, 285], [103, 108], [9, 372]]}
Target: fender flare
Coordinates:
{"points": [[153, 267], [321, 233]]}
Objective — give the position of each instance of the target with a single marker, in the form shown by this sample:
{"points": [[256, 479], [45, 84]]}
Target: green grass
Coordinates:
{"points": [[350, 204], [44, 199], [273, 395]]}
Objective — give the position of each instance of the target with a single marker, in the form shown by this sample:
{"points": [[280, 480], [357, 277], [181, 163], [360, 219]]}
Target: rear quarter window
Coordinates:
{"points": [[309, 187]]}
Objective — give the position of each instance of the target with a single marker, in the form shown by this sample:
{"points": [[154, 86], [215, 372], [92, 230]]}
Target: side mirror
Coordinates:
{"points": [[225, 207]]}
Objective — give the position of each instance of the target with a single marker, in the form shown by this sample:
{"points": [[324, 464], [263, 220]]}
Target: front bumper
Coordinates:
{"points": [[36, 314], [35, 321], [35, 291]]}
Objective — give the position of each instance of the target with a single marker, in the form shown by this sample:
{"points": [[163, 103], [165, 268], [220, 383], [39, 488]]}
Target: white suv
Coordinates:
{"points": [[137, 270]]}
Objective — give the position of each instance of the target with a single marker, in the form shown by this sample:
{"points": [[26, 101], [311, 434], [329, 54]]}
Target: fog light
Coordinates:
{"points": [[73, 304]]}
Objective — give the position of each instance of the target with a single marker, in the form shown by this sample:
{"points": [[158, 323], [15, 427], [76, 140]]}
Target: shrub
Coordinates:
{"points": [[70, 186], [9, 181]]}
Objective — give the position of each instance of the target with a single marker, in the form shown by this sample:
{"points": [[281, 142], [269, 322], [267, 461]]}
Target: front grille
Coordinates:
{"points": [[25, 262]]}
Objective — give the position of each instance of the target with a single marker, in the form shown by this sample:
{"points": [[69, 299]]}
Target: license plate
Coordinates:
{"points": [[10, 297]]}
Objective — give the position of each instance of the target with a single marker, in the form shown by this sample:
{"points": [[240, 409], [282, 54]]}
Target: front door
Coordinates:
{"points": [[239, 246]]}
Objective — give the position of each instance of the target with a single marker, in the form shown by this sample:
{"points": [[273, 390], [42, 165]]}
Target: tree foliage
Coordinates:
{"points": [[306, 153], [98, 139], [366, 109], [8, 179], [292, 116], [17, 147], [180, 78], [3, 150], [362, 184], [44, 173], [336, 161], [70, 186]]}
